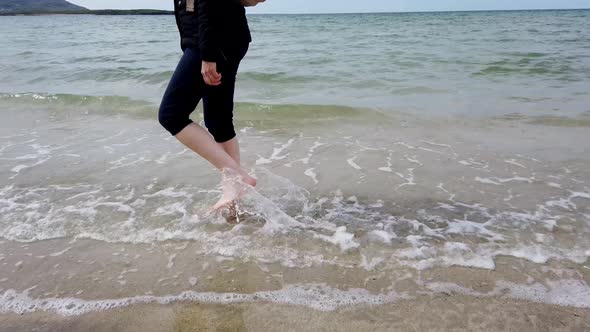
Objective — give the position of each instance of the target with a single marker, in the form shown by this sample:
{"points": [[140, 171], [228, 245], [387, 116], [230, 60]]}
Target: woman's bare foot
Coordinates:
{"points": [[231, 214], [247, 179], [234, 187], [239, 176]]}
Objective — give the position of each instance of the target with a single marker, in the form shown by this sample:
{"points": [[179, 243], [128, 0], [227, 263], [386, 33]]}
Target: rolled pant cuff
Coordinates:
{"points": [[222, 138]]}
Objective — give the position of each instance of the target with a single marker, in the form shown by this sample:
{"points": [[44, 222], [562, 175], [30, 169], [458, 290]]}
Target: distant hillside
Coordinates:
{"points": [[38, 6]]}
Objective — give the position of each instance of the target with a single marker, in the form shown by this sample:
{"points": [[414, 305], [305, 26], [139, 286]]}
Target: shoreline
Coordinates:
{"points": [[440, 312], [56, 275]]}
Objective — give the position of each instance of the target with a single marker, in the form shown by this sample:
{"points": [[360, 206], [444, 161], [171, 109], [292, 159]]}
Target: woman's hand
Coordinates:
{"points": [[210, 74], [250, 3]]}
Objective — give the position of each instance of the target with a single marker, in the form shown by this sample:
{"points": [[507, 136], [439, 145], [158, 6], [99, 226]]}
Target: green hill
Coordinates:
{"points": [[40, 7], [8, 6]]}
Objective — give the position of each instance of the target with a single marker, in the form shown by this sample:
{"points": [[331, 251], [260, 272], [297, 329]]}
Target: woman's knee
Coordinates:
{"points": [[164, 117], [222, 133], [173, 122]]}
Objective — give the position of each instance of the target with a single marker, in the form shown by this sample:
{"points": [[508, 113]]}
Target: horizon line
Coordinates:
{"points": [[317, 13], [424, 11]]}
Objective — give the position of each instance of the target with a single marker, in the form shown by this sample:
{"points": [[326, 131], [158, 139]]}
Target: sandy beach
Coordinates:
{"points": [[447, 189], [445, 312]]}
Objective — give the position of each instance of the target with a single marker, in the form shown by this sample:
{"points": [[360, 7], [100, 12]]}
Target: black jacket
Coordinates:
{"points": [[216, 27]]}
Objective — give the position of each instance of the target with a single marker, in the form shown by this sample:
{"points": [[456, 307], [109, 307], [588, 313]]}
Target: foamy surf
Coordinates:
{"points": [[353, 207], [317, 296]]}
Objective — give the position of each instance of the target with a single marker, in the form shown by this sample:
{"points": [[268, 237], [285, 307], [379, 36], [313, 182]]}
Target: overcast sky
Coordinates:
{"points": [[355, 6]]}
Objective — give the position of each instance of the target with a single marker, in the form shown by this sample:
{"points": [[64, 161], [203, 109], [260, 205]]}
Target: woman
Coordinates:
{"points": [[214, 38]]}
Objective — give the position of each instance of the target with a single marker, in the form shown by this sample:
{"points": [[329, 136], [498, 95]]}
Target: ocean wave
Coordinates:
{"points": [[438, 234], [534, 65], [568, 292], [116, 74], [254, 114], [78, 105], [275, 78], [317, 296]]}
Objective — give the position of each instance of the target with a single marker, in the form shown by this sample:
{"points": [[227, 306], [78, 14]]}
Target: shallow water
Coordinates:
{"points": [[361, 200]]}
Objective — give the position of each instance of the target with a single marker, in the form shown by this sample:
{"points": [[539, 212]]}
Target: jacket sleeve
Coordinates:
{"points": [[207, 35]]}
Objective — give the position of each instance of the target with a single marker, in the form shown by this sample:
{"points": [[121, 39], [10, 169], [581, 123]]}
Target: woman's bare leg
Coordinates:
{"points": [[198, 139], [232, 147]]}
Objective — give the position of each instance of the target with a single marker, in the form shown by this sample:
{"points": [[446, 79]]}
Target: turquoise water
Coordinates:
{"points": [[398, 156], [467, 63]]}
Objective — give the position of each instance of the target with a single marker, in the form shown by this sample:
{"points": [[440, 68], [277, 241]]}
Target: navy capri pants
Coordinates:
{"points": [[187, 88]]}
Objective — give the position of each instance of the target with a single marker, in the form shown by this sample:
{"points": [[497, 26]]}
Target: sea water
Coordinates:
{"points": [[398, 155]]}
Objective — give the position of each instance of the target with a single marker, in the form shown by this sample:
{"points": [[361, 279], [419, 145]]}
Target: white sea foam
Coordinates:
{"points": [[276, 154], [514, 162], [317, 296], [575, 293], [353, 164], [59, 253], [499, 181], [382, 236], [564, 292], [310, 173], [341, 237], [424, 240], [370, 264], [310, 153], [171, 261], [388, 168], [19, 168], [409, 178]]}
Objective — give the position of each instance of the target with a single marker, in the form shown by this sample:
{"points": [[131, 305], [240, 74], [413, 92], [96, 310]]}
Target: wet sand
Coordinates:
{"points": [[443, 309], [430, 313]]}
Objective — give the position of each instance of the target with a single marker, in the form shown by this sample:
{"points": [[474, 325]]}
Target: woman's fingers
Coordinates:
{"points": [[216, 76], [212, 78], [210, 74], [207, 77]]}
